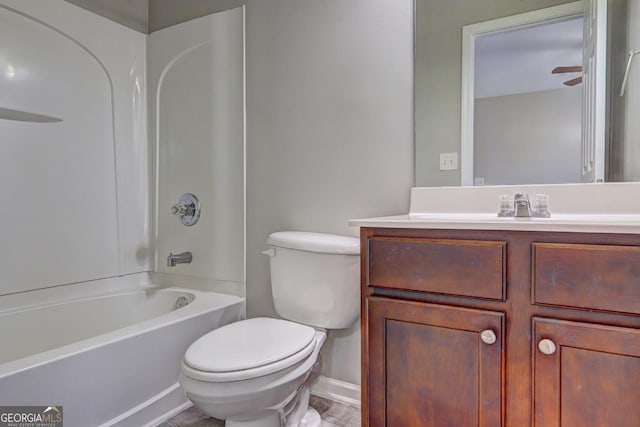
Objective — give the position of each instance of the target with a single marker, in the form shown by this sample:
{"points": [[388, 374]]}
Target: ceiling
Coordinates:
{"points": [[132, 13], [520, 61], [506, 63]]}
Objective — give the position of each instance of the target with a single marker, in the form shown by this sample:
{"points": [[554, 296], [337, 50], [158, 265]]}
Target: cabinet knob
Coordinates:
{"points": [[488, 336], [546, 346]]}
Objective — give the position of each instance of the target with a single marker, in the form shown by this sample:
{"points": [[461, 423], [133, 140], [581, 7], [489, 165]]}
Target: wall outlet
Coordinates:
{"points": [[448, 161]]}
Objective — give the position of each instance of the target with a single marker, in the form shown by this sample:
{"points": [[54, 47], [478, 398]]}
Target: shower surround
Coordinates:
{"points": [[103, 128]]}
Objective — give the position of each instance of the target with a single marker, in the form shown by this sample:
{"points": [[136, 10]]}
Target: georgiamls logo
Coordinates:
{"points": [[30, 416]]}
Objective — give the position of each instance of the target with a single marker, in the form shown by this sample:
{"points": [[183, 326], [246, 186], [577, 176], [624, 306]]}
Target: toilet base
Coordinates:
{"points": [[272, 420], [310, 419]]}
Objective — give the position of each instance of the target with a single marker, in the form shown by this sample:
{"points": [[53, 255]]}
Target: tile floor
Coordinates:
{"points": [[333, 414]]}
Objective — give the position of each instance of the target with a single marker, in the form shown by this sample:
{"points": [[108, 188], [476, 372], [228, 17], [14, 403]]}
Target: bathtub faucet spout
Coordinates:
{"points": [[181, 258]]}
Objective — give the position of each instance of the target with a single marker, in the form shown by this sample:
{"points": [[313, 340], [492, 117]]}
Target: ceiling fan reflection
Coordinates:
{"points": [[569, 69]]}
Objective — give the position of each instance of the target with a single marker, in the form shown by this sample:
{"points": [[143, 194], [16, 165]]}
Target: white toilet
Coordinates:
{"points": [[258, 372]]}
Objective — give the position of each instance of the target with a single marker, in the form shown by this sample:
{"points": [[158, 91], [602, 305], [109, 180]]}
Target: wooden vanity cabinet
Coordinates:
{"points": [[587, 375], [500, 328], [428, 346]]}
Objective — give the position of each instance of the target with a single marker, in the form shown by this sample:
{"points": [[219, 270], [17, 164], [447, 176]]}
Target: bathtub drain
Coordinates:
{"points": [[180, 302]]}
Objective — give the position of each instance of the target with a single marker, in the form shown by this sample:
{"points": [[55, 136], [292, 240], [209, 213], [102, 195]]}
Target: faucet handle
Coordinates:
{"points": [[541, 206], [187, 209], [178, 209], [506, 205]]}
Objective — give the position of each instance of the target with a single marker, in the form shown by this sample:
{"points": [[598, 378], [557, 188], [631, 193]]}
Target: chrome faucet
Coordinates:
{"points": [[181, 258], [521, 205]]}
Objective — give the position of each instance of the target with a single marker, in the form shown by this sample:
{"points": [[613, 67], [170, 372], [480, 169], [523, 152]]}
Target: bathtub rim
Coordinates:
{"points": [[204, 302], [116, 284]]}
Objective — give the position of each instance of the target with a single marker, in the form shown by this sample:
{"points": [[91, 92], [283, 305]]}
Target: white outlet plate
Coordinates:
{"points": [[448, 161]]}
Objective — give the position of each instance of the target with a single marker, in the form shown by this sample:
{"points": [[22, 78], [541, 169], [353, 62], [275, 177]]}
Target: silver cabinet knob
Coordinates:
{"points": [[546, 346], [488, 336]]}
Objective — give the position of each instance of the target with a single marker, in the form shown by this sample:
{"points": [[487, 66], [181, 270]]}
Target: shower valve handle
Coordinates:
{"points": [[187, 209], [179, 209]]}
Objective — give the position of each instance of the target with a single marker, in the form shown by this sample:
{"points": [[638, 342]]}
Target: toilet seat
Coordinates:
{"points": [[248, 349]]}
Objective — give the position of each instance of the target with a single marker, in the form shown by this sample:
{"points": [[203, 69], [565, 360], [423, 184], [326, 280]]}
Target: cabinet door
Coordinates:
{"points": [[433, 365], [585, 375]]}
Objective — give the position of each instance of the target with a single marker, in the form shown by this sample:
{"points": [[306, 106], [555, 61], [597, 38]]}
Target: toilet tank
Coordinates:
{"points": [[315, 278]]}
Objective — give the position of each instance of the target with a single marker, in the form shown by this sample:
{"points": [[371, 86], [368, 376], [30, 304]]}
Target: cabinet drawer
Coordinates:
{"points": [[474, 268], [597, 277]]}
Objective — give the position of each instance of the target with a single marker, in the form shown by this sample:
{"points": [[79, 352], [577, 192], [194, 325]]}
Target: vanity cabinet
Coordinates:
{"points": [[585, 374], [500, 328], [426, 346]]}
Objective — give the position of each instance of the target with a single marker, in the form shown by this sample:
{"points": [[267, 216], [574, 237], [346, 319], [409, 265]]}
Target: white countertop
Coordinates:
{"points": [[584, 208], [483, 221]]}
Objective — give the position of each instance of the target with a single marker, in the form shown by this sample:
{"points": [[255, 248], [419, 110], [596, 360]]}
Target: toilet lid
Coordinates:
{"points": [[248, 344]]}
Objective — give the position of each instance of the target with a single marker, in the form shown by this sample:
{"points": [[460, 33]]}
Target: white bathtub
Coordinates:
{"points": [[108, 359]]}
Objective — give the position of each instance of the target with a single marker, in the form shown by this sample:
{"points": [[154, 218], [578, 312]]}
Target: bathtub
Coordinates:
{"points": [[109, 353]]}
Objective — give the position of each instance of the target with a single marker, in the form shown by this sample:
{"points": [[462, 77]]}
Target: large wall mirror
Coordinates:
{"points": [[526, 92]]}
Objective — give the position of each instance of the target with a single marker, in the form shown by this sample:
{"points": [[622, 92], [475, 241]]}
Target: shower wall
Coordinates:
{"points": [[196, 111], [74, 175]]}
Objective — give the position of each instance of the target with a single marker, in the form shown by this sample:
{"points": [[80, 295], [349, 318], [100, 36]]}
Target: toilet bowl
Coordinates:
{"points": [[257, 395], [258, 372]]}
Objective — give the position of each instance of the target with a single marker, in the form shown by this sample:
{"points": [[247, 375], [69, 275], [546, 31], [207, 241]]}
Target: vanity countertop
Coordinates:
{"points": [[582, 223], [583, 208]]}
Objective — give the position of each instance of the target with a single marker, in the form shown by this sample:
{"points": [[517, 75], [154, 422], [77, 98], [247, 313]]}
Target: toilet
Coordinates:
{"points": [[258, 372]]}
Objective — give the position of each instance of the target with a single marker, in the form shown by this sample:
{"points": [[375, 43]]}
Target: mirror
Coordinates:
{"points": [[513, 142]]}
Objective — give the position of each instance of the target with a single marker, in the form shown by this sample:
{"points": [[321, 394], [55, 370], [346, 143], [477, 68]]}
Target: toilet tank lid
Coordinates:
{"points": [[315, 242]]}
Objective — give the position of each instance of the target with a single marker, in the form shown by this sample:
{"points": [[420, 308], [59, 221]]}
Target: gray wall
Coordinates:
{"points": [[632, 99], [438, 75], [536, 141], [329, 125], [624, 128]]}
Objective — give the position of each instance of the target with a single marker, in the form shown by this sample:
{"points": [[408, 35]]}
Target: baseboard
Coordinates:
{"points": [[337, 390]]}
